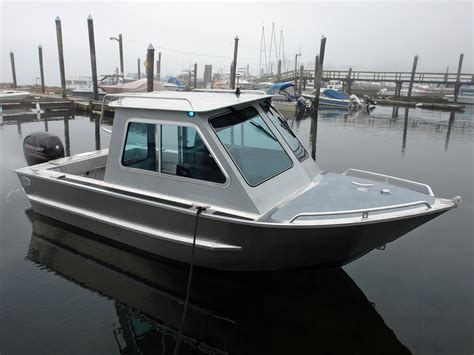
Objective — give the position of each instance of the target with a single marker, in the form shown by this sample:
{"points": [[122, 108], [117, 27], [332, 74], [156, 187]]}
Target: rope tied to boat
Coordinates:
{"points": [[199, 210]]}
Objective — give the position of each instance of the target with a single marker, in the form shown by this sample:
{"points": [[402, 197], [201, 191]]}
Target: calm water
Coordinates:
{"points": [[62, 292]]}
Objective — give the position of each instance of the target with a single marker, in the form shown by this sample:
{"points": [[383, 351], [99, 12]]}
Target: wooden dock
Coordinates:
{"points": [[375, 76]]}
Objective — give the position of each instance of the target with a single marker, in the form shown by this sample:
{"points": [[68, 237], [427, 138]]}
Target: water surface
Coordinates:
{"points": [[64, 291]]}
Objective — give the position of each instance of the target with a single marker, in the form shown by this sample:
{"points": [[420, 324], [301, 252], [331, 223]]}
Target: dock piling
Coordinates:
{"points": [[150, 60], [195, 75], [139, 74], [412, 77], [300, 86], [349, 82], [12, 61], [234, 63], [319, 74], [296, 69], [458, 78], [59, 37], [120, 40], [158, 67], [40, 56], [90, 27]]}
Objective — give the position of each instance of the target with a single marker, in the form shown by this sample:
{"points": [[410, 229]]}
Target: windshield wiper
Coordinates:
{"points": [[263, 130]]}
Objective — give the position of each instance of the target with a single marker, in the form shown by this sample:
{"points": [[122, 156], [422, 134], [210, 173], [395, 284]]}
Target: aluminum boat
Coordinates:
{"points": [[232, 156]]}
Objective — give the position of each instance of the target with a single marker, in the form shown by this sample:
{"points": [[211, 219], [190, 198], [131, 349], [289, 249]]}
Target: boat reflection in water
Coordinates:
{"points": [[278, 312]]}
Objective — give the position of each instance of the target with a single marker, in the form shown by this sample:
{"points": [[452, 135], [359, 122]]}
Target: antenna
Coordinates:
{"points": [[272, 35], [263, 49], [281, 48]]}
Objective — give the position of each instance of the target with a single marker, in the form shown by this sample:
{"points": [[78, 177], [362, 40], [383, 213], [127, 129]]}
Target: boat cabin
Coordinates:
{"points": [[232, 151]]}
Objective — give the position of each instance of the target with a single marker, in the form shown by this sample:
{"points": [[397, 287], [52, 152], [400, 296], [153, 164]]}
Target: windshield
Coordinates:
{"points": [[282, 125], [251, 144]]}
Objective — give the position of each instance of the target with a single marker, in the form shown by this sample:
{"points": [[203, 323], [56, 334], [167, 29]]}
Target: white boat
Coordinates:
{"points": [[466, 95], [334, 84], [330, 98], [419, 91], [13, 95], [221, 181], [133, 86]]}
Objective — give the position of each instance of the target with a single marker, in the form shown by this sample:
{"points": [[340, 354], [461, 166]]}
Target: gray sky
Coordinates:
{"points": [[364, 35]]}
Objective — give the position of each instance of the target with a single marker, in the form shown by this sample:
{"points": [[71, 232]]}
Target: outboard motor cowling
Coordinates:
{"points": [[41, 147]]}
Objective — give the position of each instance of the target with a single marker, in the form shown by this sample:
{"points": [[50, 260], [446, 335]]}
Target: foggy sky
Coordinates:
{"points": [[361, 35]]}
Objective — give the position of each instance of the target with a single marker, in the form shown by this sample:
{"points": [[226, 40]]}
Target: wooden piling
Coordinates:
{"points": [[158, 67], [279, 69], [234, 63], [398, 89], [67, 139], [90, 27], [300, 86], [296, 70], [195, 75], [139, 74], [12, 61], [412, 77], [405, 130], [313, 133], [150, 60], [40, 56], [120, 40], [319, 74], [97, 132], [59, 37], [349, 82], [452, 115], [458, 77]]}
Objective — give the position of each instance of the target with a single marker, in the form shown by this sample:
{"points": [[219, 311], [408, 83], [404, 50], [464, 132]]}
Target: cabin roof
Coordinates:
{"points": [[184, 101]]}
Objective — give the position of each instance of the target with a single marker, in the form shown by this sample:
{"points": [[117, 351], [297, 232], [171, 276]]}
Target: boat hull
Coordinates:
{"points": [[287, 109], [222, 243], [328, 102], [462, 99], [19, 96]]}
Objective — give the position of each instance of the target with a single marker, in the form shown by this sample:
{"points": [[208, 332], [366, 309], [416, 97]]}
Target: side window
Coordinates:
{"points": [[140, 146], [183, 153]]}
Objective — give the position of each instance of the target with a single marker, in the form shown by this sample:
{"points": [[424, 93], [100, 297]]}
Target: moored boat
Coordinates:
{"points": [[231, 162], [465, 96], [284, 98], [13, 95], [331, 98]]}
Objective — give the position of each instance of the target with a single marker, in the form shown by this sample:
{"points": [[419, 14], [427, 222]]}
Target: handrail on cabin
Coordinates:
{"points": [[139, 97]]}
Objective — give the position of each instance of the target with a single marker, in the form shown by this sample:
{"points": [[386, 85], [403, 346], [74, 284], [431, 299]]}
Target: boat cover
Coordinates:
{"points": [[277, 88], [176, 81], [134, 86], [334, 94]]}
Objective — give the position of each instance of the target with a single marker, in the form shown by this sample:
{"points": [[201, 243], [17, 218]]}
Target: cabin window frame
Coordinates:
{"points": [[265, 119], [122, 159], [158, 124], [278, 129]]}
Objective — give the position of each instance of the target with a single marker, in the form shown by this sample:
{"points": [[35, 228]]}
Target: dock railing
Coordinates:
{"points": [[377, 76]]}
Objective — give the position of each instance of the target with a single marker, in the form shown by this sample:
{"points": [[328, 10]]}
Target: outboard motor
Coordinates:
{"points": [[301, 105], [41, 147], [368, 102]]}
